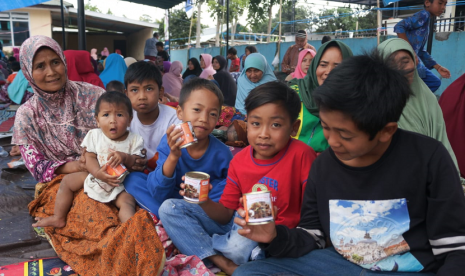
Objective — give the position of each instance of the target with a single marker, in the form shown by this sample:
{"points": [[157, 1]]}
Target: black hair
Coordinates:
{"points": [[232, 51], [431, 1], [325, 39], [196, 84], [155, 34], [252, 49], [11, 59], [15, 66], [114, 97], [366, 88], [274, 92], [302, 32], [115, 85], [159, 43], [141, 71], [104, 57]]}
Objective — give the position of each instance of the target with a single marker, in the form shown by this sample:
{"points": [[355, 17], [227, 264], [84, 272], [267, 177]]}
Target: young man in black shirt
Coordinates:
{"points": [[161, 52], [386, 199]]}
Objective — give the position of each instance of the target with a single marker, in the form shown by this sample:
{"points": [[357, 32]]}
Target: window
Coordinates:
{"points": [[14, 28]]}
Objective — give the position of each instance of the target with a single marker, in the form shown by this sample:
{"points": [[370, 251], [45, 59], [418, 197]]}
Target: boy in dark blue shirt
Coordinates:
{"points": [[415, 30], [387, 199]]}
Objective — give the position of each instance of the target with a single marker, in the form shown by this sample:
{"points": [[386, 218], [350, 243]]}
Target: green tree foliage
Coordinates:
{"points": [[179, 27], [342, 20], [145, 18], [90, 7], [109, 12]]}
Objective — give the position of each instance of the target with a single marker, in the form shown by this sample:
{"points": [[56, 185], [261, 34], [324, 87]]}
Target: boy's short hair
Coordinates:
{"points": [[232, 51], [155, 34], [274, 92], [367, 89], [196, 84], [15, 66], [114, 97], [325, 39], [252, 49], [141, 71], [160, 44], [115, 85]]}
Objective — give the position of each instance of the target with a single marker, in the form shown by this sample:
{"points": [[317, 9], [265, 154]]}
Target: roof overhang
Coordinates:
{"points": [[162, 4], [98, 22]]}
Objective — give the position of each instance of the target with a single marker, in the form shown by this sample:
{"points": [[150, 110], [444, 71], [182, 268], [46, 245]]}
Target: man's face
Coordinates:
{"points": [[301, 41]]}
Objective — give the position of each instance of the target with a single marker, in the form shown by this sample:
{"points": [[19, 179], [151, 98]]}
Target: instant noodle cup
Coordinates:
{"points": [[189, 135], [197, 187], [119, 171], [258, 207]]}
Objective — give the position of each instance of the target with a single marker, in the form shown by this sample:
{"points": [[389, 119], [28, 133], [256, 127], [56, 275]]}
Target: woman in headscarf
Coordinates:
{"points": [[329, 55], [452, 103], [225, 80], [80, 67], [93, 53], [105, 52], [422, 113], [19, 91], [49, 129], [129, 61], [16, 53], [303, 63], [256, 72], [166, 66], [193, 68], [115, 68], [206, 65], [172, 80]]}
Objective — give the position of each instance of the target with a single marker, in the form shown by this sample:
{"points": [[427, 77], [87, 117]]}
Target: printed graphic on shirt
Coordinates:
{"points": [[369, 233]]}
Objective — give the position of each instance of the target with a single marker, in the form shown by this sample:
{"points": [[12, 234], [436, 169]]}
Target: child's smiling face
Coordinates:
{"points": [[113, 120], [269, 129]]}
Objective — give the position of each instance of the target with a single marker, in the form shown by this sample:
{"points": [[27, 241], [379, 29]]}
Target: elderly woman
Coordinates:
{"points": [[329, 55], [256, 72], [49, 129]]}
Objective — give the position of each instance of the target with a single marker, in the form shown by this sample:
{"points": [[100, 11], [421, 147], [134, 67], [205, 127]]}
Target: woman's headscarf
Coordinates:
{"points": [[105, 52], [244, 85], [310, 81], [18, 88], [452, 103], [93, 53], [166, 66], [422, 113], [80, 68], [208, 66], [115, 68], [298, 73], [16, 53], [225, 80], [197, 69], [172, 81], [54, 123], [129, 61]]}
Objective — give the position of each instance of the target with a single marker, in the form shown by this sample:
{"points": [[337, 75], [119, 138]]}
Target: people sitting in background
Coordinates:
{"points": [[422, 113], [235, 61], [172, 80], [207, 230], [248, 50], [115, 68], [329, 56], [325, 39], [166, 66], [291, 57], [161, 51], [115, 85], [15, 67], [305, 58], [118, 51], [452, 103], [105, 52], [16, 53], [150, 49], [80, 67], [256, 72], [415, 30], [93, 53], [193, 69], [380, 200], [100, 66], [225, 80], [206, 65]]}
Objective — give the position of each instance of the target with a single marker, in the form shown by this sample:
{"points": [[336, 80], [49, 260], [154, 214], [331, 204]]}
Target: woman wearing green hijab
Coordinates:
{"points": [[422, 113], [329, 55]]}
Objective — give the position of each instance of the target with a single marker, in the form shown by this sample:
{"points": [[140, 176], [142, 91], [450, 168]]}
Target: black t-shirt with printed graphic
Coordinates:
{"points": [[405, 212]]}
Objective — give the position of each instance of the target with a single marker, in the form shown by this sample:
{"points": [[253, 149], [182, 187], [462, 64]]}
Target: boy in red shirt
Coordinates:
{"points": [[15, 67], [235, 61], [273, 162]]}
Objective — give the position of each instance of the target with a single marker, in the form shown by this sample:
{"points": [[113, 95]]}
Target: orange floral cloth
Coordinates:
{"points": [[95, 242]]}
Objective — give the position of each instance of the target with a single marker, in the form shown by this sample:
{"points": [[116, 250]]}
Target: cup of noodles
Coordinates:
{"points": [[197, 187], [258, 207], [119, 171], [189, 135]]}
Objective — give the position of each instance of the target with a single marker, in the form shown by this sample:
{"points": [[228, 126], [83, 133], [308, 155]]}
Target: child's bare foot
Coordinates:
{"points": [[51, 221]]}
